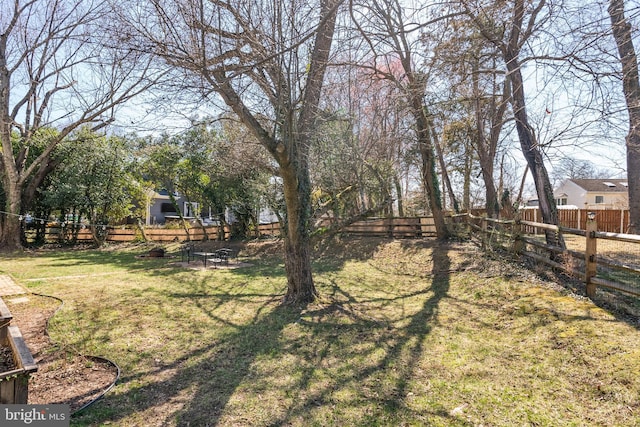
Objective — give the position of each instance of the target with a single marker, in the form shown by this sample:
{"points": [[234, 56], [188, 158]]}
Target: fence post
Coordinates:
{"points": [[590, 254], [518, 244], [483, 226]]}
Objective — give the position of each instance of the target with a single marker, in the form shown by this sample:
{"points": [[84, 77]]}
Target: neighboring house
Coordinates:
{"points": [[267, 216], [593, 193], [160, 210]]}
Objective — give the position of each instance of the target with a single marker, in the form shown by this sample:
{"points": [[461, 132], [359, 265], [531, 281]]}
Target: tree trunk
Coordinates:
{"points": [[9, 221], [205, 235], [183, 222], [141, 229], [294, 166], [292, 135], [429, 176], [526, 135], [492, 205], [531, 151], [486, 146], [297, 194], [10, 240], [447, 187], [631, 88], [466, 186], [399, 197], [222, 225]]}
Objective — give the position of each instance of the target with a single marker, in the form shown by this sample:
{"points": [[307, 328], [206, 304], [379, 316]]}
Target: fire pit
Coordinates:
{"points": [[156, 253]]}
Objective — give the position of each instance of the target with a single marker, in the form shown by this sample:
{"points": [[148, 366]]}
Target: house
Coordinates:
{"points": [[160, 209], [593, 193]]}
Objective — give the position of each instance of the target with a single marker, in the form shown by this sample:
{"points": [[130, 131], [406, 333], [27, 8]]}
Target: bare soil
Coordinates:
{"points": [[63, 376]]}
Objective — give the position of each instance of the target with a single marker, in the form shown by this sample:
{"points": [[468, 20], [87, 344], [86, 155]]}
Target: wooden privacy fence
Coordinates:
{"points": [[598, 258], [608, 220], [409, 227], [124, 234]]}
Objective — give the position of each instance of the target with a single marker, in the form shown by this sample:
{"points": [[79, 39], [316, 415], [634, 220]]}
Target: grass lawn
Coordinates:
{"points": [[405, 333]]}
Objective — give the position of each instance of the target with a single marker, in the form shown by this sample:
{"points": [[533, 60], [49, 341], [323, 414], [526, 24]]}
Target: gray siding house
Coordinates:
{"points": [[160, 210]]}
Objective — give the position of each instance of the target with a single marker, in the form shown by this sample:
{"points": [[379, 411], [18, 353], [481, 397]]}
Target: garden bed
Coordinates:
{"points": [[64, 376], [16, 362], [6, 359]]}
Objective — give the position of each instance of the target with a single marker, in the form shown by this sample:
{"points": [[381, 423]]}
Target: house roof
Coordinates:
{"points": [[602, 185]]}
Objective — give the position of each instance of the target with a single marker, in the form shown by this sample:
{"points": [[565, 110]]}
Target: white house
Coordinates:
{"points": [[593, 193]]}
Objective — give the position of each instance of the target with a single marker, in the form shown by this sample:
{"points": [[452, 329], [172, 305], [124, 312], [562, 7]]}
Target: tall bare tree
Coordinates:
{"points": [[490, 110], [390, 29], [55, 72], [520, 22], [266, 61], [622, 33], [377, 139], [480, 91]]}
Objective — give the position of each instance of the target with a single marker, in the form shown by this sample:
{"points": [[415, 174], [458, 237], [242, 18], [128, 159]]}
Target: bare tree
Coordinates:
{"points": [[520, 22], [572, 168], [267, 62], [481, 92], [55, 73], [378, 140], [631, 87], [390, 30]]}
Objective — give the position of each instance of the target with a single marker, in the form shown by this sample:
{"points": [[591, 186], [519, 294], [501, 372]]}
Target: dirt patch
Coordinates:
{"points": [[63, 376]]}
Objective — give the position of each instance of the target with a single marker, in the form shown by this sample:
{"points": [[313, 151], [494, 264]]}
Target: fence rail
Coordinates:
{"points": [[598, 258], [405, 227]]}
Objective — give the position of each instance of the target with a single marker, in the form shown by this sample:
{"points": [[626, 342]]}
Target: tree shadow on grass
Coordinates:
{"points": [[202, 381], [403, 351], [197, 388]]}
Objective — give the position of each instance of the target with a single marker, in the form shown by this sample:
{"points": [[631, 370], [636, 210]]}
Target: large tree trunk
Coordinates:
{"points": [[290, 150], [631, 88], [532, 153], [9, 222], [429, 176], [297, 194], [11, 232], [526, 135], [294, 166]]}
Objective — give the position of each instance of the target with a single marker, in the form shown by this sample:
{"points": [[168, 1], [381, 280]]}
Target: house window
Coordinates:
{"points": [[191, 209], [167, 208], [599, 200], [561, 202]]}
